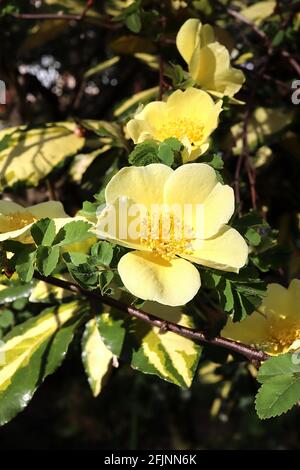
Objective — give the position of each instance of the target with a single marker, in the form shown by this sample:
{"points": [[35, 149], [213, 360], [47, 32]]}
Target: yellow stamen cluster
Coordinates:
{"points": [[166, 236], [281, 338], [17, 220], [180, 128]]}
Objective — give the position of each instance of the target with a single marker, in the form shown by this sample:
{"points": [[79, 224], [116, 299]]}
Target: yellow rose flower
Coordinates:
{"points": [[207, 59], [16, 220], [275, 328], [190, 116], [160, 268]]}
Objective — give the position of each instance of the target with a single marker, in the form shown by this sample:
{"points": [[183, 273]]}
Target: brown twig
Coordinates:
{"points": [[88, 5], [267, 41], [65, 17], [243, 349], [161, 79]]}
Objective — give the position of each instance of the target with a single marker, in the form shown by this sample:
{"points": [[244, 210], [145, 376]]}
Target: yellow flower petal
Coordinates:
{"points": [[294, 295], [151, 278], [218, 209], [190, 116], [142, 126], [49, 209], [190, 184], [192, 103], [188, 38], [275, 327], [153, 112], [143, 184], [207, 59], [227, 251], [14, 233], [211, 69], [26, 216], [7, 207], [253, 330], [277, 301], [110, 226]]}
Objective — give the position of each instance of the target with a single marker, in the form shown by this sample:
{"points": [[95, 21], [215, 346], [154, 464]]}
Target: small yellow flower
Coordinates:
{"points": [[190, 116], [275, 328], [16, 220], [207, 59], [160, 268]]}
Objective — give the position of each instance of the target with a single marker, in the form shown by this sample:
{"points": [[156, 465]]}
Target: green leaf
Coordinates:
{"points": [[273, 258], [96, 357], [31, 352], [280, 390], [278, 365], [253, 227], [133, 22], [11, 293], [89, 211], [105, 278], [6, 318], [47, 259], [25, 261], [215, 161], [278, 38], [277, 395], [87, 276], [75, 258], [239, 294], [103, 253], [169, 150], [166, 154], [144, 153], [171, 357], [173, 143], [73, 232], [43, 232]]}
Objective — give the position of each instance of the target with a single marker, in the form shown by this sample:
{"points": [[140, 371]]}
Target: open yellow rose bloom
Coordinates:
{"points": [[190, 116], [160, 267], [16, 220], [207, 59], [276, 327]]}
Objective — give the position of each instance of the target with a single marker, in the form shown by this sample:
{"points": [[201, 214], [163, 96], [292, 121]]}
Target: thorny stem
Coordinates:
{"points": [[249, 352]]}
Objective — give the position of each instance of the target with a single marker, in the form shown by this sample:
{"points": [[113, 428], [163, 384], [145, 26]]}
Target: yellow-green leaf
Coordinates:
{"points": [[96, 357], [32, 351], [43, 292], [263, 123], [30, 155], [102, 66], [142, 97], [259, 11], [168, 355]]}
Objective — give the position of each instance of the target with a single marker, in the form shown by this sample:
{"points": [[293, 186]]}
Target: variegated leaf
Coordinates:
{"points": [[96, 357], [33, 350], [30, 155], [168, 355]]}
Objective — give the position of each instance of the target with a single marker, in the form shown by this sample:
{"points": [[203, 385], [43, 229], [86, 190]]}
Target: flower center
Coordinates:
{"points": [[166, 235], [16, 220], [180, 128], [281, 338]]}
